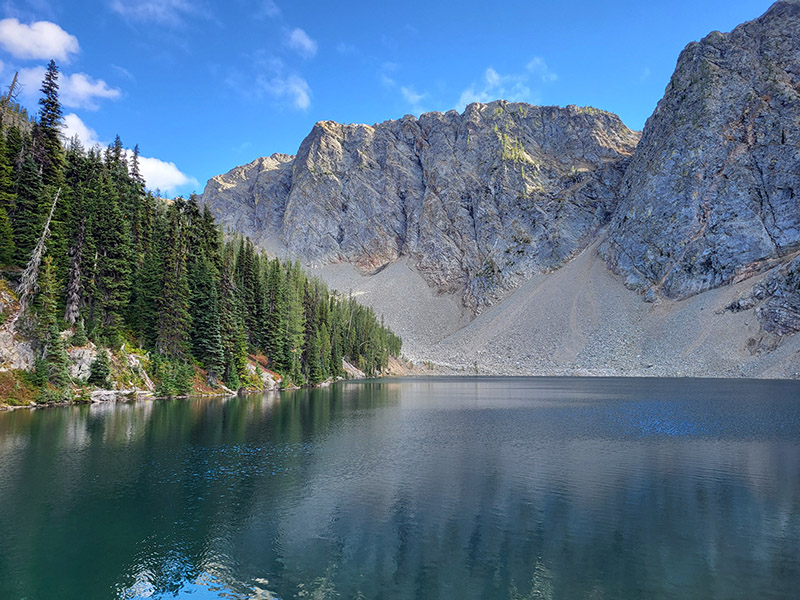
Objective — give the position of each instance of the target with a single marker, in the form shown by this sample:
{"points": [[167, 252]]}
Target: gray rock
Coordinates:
{"points": [[251, 199], [480, 200], [711, 195], [81, 359], [776, 300]]}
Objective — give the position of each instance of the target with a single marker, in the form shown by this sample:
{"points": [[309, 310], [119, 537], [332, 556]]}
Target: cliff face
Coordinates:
{"points": [[711, 195], [480, 201], [251, 199]]}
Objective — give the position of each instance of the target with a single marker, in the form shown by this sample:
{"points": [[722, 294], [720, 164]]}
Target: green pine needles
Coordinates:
{"points": [[123, 266]]}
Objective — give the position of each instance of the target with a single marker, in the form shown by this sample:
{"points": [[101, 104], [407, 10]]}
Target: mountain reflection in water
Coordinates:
{"points": [[436, 488]]}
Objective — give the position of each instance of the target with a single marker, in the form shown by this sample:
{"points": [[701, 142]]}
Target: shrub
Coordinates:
{"points": [[100, 369]]}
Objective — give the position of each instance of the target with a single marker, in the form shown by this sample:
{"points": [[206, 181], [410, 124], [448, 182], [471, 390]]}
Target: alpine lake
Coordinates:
{"points": [[432, 488]]}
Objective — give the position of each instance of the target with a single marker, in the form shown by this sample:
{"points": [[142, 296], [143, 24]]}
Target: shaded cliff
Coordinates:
{"points": [[711, 195]]}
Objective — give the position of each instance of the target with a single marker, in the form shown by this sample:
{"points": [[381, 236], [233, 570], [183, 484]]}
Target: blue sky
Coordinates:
{"points": [[203, 85]]}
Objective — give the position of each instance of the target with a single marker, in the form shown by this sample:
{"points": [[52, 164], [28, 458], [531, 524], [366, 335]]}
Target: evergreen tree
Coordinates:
{"points": [[7, 247], [276, 340], [234, 339], [295, 321], [136, 173], [205, 319], [28, 216], [50, 116], [79, 337], [100, 369], [52, 346], [112, 246], [174, 316], [148, 289], [6, 175]]}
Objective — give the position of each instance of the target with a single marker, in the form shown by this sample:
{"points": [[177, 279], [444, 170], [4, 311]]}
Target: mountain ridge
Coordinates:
{"points": [[705, 201], [481, 200]]}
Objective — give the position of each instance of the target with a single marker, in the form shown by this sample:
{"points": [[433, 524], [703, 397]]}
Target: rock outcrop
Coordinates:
{"points": [[480, 200], [711, 195], [776, 300]]}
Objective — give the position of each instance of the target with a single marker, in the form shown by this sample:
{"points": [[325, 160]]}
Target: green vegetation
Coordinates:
{"points": [[591, 110], [123, 268]]}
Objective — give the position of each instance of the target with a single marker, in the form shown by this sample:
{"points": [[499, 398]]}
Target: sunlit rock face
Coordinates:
{"points": [[480, 201], [711, 195]]}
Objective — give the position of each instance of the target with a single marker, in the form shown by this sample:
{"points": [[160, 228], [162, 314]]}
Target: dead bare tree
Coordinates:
{"points": [[73, 305], [10, 96], [29, 282]]}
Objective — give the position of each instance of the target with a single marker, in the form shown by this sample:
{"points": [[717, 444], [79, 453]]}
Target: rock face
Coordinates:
{"points": [[711, 195], [480, 200], [504, 193], [776, 300], [252, 199]]}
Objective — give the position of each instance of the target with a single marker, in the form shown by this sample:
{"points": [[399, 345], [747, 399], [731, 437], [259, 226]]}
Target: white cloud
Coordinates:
{"points": [[645, 74], [300, 42], [409, 93], [157, 173], [73, 126], [163, 175], [514, 87], [39, 40], [386, 69], [293, 88], [538, 66], [270, 9], [271, 79], [163, 12], [124, 72], [78, 90], [413, 98]]}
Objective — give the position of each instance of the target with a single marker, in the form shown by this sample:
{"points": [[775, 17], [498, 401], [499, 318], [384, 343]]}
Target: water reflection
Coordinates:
{"points": [[471, 488]]}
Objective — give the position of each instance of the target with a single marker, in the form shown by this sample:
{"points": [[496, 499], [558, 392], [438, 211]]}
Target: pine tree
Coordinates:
{"points": [[232, 332], [174, 317], [148, 288], [79, 337], [325, 351], [295, 321], [7, 247], [52, 346], [205, 319], [100, 369], [28, 214], [136, 173], [276, 341], [50, 117], [112, 246], [6, 176]]}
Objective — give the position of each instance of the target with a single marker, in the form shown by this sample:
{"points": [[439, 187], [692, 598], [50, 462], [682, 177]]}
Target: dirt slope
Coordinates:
{"points": [[580, 319]]}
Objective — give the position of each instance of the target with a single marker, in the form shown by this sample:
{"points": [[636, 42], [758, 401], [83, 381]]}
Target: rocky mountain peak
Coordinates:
{"points": [[478, 200], [710, 196]]}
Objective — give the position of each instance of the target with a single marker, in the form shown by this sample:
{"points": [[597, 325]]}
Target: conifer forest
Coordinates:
{"points": [[92, 257]]}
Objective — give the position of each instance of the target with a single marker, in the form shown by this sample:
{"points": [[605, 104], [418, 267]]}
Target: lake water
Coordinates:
{"points": [[469, 488]]}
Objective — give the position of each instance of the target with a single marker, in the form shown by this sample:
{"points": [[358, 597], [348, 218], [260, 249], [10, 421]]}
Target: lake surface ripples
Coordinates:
{"points": [[462, 488]]}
